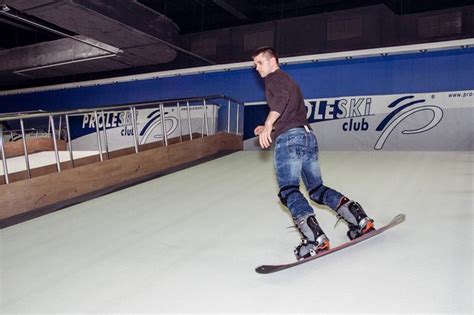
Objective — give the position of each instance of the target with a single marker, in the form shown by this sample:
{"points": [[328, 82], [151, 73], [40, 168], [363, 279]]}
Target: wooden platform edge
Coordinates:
{"points": [[15, 148], [27, 199]]}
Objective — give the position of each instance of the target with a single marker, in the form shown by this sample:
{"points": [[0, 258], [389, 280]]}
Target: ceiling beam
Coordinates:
{"points": [[224, 4], [50, 54]]}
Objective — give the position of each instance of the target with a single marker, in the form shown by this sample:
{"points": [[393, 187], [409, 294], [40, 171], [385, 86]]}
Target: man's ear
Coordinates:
{"points": [[273, 61]]}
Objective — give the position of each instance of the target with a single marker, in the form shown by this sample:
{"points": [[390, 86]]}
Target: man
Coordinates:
{"points": [[296, 157]]}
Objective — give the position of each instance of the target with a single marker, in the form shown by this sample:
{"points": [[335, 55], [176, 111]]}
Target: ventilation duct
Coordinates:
{"points": [[138, 35]]}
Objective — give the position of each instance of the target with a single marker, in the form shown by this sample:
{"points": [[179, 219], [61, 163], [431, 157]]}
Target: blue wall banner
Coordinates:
{"points": [[407, 101], [418, 122], [120, 130]]}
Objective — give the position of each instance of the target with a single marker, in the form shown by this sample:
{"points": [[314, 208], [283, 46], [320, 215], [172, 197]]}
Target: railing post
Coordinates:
{"points": [[134, 128], [68, 131], [53, 136], [59, 126], [4, 160], [203, 117], [25, 148], [49, 127], [214, 119], [163, 127], [97, 132], [189, 121], [238, 116], [104, 129], [228, 116], [206, 120], [179, 123]]}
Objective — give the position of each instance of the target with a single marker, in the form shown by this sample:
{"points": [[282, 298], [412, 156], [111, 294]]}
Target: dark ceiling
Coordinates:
{"points": [[136, 56], [202, 15], [193, 16], [15, 33]]}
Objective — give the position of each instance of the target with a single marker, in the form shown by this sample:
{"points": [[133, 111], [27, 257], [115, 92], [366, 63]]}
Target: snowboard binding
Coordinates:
{"points": [[355, 217], [313, 239]]}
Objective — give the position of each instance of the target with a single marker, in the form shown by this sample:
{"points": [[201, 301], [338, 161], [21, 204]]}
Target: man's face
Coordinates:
{"points": [[263, 64]]}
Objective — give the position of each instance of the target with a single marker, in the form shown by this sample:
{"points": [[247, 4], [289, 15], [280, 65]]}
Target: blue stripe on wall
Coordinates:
{"points": [[411, 73]]}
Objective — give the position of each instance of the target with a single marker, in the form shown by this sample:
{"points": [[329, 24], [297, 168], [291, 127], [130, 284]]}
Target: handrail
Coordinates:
{"points": [[20, 113], [42, 113], [232, 118]]}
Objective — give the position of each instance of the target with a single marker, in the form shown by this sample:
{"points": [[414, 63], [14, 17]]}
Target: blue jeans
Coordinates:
{"points": [[296, 157]]}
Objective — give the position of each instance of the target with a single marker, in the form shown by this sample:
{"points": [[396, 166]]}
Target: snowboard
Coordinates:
{"points": [[265, 269]]}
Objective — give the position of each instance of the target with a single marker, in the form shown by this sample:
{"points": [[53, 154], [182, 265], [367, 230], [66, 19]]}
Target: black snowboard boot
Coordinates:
{"points": [[355, 216], [313, 238]]}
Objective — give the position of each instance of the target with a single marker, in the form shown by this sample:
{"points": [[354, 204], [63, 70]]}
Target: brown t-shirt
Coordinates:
{"points": [[285, 97]]}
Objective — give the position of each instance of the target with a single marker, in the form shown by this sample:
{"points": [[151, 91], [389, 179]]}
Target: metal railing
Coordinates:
{"points": [[225, 116]]}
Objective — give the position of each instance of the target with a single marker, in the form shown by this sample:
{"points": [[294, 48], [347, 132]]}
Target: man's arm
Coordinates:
{"points": [[279, 89]]}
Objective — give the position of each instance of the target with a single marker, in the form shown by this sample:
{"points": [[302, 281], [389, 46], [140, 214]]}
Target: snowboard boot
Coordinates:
{"points": [[353, 213], [313, 238]]}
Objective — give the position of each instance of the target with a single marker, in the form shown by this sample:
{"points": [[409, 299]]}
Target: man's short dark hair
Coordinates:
{"points": [[266, 50]]}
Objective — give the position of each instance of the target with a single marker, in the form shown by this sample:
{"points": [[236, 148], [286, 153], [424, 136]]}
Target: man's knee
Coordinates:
{"points": [[317, 194], [286, 192]]}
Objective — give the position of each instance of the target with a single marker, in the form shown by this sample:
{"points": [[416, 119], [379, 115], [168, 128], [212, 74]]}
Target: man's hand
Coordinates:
{"points": [[258, 130], [265, 138], [264, 133]]}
